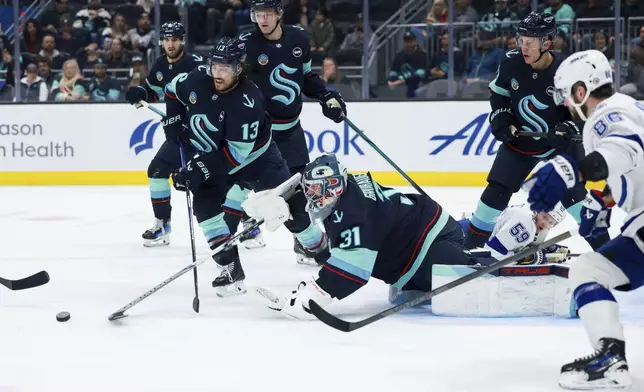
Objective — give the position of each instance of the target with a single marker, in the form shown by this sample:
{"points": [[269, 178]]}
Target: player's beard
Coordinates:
{"points": [[177, 53]]}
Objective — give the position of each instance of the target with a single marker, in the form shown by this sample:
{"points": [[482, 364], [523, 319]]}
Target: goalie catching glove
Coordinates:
{"points": [[296, 306], [269, 206]]}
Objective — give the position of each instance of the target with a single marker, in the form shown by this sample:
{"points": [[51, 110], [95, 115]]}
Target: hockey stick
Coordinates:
{"points": [[29, 282], [382, 154], [348, 326], [576, 138], [226, 245], [195, 300]]}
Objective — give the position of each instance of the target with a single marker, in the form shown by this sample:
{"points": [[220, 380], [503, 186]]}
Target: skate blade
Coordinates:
{"points": [[254, 244], [619, 379], [270, 299], [303, 260], [237, 288], [161, 241], [117, 316]]}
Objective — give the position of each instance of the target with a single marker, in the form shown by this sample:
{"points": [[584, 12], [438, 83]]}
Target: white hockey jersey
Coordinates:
{"points": [[514, 230], [615, 129]]}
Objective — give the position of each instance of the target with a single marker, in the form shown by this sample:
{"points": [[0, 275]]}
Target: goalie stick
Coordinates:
{"points": [[195, 300], [29, 282], [226, 245], [348, 326]]}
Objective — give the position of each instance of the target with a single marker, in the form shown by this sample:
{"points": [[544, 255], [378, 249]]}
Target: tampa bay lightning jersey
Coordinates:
{"points": [[229, 130], [529, 94], [376, 231], [162, 72], [282, 70]]}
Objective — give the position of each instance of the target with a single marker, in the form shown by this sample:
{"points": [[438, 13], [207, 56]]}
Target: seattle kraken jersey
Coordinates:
{"points": [[282, 70], [229, 130], [162, 72], [377, 231], [529, 94]]}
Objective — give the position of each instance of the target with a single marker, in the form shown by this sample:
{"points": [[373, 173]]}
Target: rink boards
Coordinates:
{"points": [[436, 143]]}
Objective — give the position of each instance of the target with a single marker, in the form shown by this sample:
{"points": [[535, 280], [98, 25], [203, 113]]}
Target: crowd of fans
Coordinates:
{"points": [[78, 51]]}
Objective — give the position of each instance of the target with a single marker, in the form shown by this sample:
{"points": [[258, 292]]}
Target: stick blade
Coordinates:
{"points": [[29, 282], [117, 315], [329, 319], [195, 304]]}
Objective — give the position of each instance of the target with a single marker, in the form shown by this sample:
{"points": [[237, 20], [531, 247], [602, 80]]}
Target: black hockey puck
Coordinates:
{"points": [[63, 316]]}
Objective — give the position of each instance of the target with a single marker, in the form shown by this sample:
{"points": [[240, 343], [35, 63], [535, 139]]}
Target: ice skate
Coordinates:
{"points": [[254, 239], [231, 279], [306, 257], [158, 234], [606, 368]]}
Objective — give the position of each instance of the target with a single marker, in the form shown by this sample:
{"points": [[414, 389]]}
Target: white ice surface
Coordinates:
{"points": [[89, 240]]}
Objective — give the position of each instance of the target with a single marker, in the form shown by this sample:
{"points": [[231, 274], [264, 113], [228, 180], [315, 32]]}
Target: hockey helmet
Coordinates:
{"points": [[172, 29], [558, 214], [324, 181], [228, 51], [538, 24], [256, 5], [590, 67]]}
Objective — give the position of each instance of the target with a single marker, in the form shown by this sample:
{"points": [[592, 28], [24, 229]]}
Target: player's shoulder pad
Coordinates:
{"points": [[251, 96], [248, 34], [618, 114], [512, 56], [196, 59], [184, 82], [297, 34]]}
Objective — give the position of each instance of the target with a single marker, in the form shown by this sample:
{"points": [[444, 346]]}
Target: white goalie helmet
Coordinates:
{"points": [[590, 67]]}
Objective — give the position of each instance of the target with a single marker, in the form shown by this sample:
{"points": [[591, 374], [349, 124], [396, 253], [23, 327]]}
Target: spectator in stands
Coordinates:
{"points": [[437, 13], [485, 60], [635, 79], [564, 14], [119, 30], [560, 44], [350, 52], [439, 63], [48, 49], [69, 40], [330, 73], [409, 67], [521, 8], [603, 44], [321, 35], [93, 20], [103, 87], [300, 12], [31, 37], [32, 87], [69, 85], [6, 90], [91, 56], [511, 43], [44, 71], [147, 5], [143, 36], [499, 20], [632, 8], [138, 65], [464, 13], [593, 9], [234, 11], [640, 38], [52, 18], [117, 57], [6, 64]]}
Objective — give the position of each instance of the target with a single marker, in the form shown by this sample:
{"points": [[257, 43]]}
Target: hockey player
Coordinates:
{"points": [[522, 99], [228, 126], [518, 227], [280, 60], [374, 232], [167, 159], [613, 139]]}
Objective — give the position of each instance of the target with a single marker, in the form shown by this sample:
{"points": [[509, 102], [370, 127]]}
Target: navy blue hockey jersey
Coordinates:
{"points": [[377, 231], [229, 130], [529, 94], [282, 70], [162, 72]]}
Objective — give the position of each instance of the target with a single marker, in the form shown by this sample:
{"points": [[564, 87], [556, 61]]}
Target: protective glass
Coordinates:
{"points": [[529, 42], [321, 193], [222, 71], [559, 96], [263, 16]]}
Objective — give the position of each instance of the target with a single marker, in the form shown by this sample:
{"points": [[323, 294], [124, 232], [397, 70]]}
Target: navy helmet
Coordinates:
{"points": [[172, 29], [264, 4], [324, 181], [538, 24], [227, 50]]}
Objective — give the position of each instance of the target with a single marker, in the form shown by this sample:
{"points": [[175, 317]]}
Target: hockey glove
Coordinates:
{"points": [[552, 254], [175, 130], [333, 106], [190, 177], [503, 125], [296, 306], [562, 134], [269, 206], [595, 216], [136, 94], [549, 184]]}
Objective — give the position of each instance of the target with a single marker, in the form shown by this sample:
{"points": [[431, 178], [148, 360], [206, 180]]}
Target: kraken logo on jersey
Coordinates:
{"points": [[527, 109], [200, 126], [281, 83]]}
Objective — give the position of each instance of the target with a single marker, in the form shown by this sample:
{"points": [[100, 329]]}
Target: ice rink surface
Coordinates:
{"points": [[89, 240]]}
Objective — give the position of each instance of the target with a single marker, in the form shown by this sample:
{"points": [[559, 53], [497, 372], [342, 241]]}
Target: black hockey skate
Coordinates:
{"points": [[158, 234], [254, 239], [306, 257], [231, 279], [605, 368]]}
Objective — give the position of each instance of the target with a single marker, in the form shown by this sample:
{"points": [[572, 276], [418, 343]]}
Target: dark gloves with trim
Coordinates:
{"points": [[333, 106], [503, 125], [190, 177], [561, 135], [135, 94]]}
